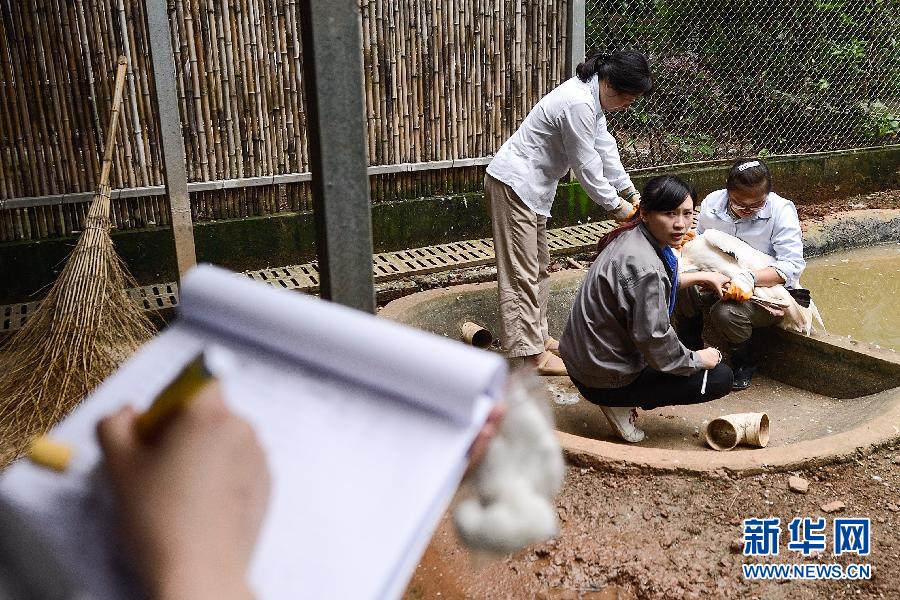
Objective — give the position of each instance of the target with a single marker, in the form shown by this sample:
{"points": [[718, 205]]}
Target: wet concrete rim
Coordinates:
{"points": [[846, 230], [881, 429]]}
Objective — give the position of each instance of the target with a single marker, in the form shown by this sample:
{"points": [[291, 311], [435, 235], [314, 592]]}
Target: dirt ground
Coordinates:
{"points": [[655, 535], [638, 534], [883, 199]]}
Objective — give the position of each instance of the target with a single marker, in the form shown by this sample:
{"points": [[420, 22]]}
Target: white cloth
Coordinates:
{"points": [[774, 230], [565, 130]]}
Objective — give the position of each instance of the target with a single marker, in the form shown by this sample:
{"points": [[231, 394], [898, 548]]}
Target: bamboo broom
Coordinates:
{"points": [[85, 327]]}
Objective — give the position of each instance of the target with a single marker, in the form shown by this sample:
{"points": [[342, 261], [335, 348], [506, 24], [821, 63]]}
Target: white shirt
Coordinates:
{"points": [[565, 130], [774, 230]]}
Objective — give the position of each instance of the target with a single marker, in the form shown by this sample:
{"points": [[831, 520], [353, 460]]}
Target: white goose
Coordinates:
{"points": [[718, 251]]}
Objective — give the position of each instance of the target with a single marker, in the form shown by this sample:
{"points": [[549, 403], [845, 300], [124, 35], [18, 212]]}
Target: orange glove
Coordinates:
{"points": [[733, 292], [740, 288], [625, 211], [688, 236], [635, 208]]}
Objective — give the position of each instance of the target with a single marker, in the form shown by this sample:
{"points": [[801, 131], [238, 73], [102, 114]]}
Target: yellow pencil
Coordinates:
{"points": [[47, 452], [174, 398]]}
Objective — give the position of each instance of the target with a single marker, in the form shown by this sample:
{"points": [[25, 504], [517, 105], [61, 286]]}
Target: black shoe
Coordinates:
{"points": [[742, 377], [743, 366]]}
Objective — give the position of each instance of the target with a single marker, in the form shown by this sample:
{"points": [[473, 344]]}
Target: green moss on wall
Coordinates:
{"points": [[259, 242]]}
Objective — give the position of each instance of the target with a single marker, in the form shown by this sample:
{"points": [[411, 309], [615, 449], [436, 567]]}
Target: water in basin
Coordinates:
{"points": [[857, 293]]}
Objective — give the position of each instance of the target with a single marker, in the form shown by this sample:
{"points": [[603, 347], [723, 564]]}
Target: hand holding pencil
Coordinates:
{"points": [[192, 488]]}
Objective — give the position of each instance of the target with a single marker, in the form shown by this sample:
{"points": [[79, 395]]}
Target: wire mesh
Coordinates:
{"points": [[757, 77]]}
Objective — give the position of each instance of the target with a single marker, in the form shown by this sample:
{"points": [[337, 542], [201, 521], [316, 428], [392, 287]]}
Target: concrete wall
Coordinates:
{"points": [[843, 368], [254, 243]]}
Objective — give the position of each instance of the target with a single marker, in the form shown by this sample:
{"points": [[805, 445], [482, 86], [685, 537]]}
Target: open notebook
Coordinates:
{"points": [[366, 425]]}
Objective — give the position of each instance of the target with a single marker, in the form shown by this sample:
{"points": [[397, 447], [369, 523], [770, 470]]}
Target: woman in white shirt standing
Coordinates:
{"points": [[565, 130]]}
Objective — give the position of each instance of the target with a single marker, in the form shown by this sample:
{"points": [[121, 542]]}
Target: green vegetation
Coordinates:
{"points": [[766, 76]]}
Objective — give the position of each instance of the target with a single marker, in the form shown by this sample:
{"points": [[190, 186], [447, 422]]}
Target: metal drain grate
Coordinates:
{"points": [[577, 238], [386, 266], [389, 266], [151, 297], [432, 259], [13, 316], [295, 277], [156, 297]]}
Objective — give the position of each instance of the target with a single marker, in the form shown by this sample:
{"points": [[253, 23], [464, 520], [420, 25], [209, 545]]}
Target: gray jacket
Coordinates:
{"points": [[619, 322]]}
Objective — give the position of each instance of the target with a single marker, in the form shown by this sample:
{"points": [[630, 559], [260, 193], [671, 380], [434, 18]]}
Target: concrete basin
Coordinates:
{"points": [[827, 397]]}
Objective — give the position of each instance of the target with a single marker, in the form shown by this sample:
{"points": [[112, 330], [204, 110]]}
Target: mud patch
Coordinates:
{"points": [[632, 534]]}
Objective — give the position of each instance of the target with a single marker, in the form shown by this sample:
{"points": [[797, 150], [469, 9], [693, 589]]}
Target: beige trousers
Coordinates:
{"points": [[523, 281]]}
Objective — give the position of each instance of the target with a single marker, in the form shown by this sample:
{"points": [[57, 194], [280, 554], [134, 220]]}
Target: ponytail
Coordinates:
{"points": [[607, 239], [591, 65], [627, 72]]}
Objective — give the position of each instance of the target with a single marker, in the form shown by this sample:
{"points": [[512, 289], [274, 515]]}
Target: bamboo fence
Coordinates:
{"points": [[444, 79]]}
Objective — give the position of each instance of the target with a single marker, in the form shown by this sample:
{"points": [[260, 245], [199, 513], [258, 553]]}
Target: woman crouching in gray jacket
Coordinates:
{"points": [[619, 346]]}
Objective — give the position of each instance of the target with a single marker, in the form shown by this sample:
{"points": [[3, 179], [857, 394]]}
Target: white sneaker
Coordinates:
{"points": [[622, 420]]}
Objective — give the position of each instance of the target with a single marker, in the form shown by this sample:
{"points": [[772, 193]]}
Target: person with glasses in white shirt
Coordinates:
{"points": [[565, 130], [749, 210]]}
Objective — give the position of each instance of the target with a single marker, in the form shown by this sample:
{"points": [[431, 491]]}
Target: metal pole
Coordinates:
{"points": [[336, 130], [170, 130], [575, 25]]}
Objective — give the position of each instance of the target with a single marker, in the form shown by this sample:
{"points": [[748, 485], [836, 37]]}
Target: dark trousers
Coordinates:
{"points": [[653, 389], [733, 321]]}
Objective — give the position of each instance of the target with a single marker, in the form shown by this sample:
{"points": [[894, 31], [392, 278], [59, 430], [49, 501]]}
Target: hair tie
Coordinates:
{"points": [[747, 165]]}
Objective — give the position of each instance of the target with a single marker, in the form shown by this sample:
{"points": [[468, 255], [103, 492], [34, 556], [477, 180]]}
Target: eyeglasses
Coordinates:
{"points": [[750, 209]]}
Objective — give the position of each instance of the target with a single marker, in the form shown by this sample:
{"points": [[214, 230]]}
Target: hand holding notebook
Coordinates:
{"points": [[365, 424]]}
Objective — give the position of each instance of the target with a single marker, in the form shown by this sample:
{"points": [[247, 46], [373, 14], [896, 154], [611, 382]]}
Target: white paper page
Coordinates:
{"points": [[359, 479], [443, 374]]}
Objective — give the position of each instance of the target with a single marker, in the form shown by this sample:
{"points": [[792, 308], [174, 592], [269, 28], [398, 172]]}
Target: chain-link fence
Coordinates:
{"points": [[746, 77]]}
